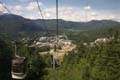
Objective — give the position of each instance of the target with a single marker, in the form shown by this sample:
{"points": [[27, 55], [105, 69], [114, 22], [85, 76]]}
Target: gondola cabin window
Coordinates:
{"points": [[19, 67]]}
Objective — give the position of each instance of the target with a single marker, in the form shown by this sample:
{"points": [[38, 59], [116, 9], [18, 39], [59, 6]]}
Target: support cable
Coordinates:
{"points": [[40, 11], [5, 7], [56, 44], [86, 12]]}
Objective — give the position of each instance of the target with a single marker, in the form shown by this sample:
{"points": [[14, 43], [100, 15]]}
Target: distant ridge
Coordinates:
{"points": [[15, 24]]}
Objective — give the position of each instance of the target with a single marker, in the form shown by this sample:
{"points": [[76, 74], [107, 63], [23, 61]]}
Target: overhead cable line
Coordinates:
{"points": [[87, 10], [40, 11], [4, 6]]}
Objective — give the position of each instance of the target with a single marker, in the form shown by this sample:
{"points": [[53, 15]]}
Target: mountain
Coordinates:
{"points": [[12, 24], [95, 24]]}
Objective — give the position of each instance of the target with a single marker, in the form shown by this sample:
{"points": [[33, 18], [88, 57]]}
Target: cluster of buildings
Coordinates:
{"points": [[59, 46], [60, 41], [99, 41]]}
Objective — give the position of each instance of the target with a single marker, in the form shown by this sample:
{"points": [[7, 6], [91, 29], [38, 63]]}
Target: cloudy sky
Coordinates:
{"points": [[70, 10]]}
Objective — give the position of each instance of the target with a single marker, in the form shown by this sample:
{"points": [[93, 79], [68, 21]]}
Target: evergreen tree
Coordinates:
{"points": [[5, 61]]}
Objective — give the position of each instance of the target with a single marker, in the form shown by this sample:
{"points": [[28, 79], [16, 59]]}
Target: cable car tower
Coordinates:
{"points": [[56, 44]]}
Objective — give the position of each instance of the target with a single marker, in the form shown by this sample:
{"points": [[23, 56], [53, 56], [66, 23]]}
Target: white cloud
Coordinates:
{"points": [[73, 14], [104, 16], [87, 8], [1, 9], [24, 0], [47, 15], [33, 5], [15, 8], [66, 13], [18, 7], [93, 14], [18, 13]]}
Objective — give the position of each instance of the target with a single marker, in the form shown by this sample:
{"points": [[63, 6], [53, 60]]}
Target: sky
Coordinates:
{"points": [[69, 10]]}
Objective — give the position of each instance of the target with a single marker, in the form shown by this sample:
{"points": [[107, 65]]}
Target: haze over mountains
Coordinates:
{"points": [[14, 24]]}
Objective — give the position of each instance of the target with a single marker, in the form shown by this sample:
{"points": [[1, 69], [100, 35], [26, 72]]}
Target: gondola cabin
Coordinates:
{"points": [[19, 68]]}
